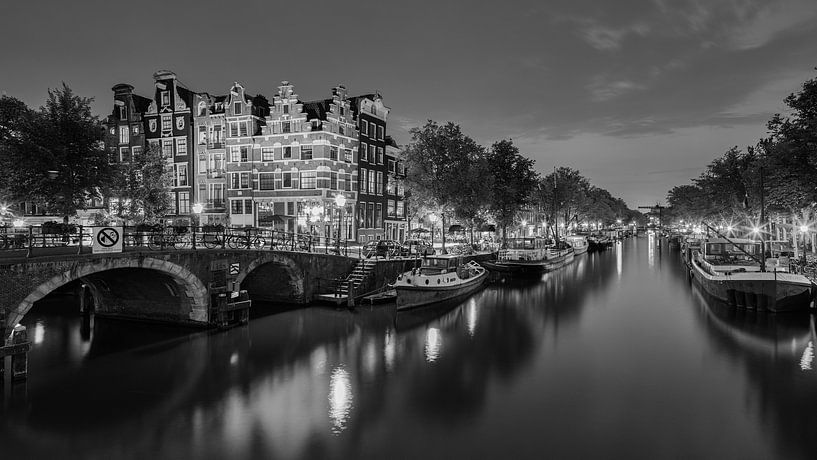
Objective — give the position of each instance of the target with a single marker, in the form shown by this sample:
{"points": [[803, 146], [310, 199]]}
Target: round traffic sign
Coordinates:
{"points": [[107, 237]]}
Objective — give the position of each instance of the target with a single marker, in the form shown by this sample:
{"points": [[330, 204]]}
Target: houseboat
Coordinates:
{"points": [[578, 243], [439, 278], [531, 255], [730, 270]]}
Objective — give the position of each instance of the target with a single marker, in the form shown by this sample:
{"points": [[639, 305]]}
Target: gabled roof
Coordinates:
{"points": [[141, 103], [354, 101]]}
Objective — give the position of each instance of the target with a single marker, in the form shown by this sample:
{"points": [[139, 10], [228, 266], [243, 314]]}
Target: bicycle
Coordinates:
{"points": [[250, 240]]}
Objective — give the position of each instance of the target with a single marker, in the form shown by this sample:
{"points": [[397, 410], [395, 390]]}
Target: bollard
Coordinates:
{"points": [[19, 360]]}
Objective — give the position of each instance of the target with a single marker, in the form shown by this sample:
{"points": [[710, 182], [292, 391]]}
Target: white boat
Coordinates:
{"points": [[729, 269], [578, 242], [531, 255], [439, 278]]}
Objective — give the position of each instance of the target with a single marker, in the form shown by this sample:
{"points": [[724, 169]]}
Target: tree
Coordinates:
{"points": [[142, 190], [57, 158], [439, 167], [514, 181]]}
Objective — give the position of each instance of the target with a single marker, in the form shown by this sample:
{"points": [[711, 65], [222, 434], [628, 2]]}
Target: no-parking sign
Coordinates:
{"points": [[107, 239]]}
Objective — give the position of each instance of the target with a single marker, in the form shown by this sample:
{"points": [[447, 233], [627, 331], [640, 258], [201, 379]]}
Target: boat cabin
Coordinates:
{"points": [[528, 243], [734, 251], [435, 265]]}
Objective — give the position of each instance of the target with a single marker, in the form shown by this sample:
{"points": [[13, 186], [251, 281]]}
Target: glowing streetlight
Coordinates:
{"points": [[18, 223], [340, 202], [755, 230], [432, 218], [804, 228]]}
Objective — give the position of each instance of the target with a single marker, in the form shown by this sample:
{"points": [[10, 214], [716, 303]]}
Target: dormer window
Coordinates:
{"points": [[342, 112], [237, 108], [202, 108], [165, 98], [286, 108], [123, 113]]}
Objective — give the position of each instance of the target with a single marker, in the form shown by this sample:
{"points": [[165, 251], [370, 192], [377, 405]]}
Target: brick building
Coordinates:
{"points": [[395, 220], [371, 117]]}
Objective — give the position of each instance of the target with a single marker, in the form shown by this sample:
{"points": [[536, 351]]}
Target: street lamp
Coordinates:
{"points": [[804, 231], [340, 202], [433, 219], [18, 223], [524, 225], [197, 209]]}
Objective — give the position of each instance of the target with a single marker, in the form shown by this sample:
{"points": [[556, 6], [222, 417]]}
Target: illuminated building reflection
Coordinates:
{"points": [[471, 316], [389, 350], [340, 399], [433, 342], [651, 250], [619, 261]]}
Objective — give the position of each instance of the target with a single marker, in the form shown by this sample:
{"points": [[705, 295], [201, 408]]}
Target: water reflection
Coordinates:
{"points": [[340, 399], [551, 367]]}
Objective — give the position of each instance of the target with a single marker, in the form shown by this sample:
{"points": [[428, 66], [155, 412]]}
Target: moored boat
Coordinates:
{"points": [[531, 255], [730, 270], [439, 278], [578, 242]]}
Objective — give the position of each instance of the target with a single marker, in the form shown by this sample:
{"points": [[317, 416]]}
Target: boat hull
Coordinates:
{"points": [[764, 291], [417, 296], [522, 267]]}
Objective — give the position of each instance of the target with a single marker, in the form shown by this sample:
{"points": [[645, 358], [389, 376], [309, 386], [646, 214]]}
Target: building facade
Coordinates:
{"points": [[395, 220], [210, 127], [169, 127], [307, 157], [371, 117]]}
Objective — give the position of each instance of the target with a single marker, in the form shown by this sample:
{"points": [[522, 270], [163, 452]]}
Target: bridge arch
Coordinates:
{"points": [[194, 289], [257, 268]]}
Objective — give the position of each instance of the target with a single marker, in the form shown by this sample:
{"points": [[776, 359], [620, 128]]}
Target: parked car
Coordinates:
{"points": [[418, 246], [384, 248]]}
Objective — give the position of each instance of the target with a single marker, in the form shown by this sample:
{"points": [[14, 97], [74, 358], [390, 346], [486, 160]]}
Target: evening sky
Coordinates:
{"points": [[637, 94]]}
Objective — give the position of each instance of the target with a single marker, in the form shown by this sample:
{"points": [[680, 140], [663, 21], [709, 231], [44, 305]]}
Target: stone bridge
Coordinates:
{"points": [[172, 286]]}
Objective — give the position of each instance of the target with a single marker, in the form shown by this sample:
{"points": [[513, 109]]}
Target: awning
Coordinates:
{"points": [[455, 228]]}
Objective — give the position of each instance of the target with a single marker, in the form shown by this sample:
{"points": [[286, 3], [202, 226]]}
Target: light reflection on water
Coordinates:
{"points": [[604, 343]]}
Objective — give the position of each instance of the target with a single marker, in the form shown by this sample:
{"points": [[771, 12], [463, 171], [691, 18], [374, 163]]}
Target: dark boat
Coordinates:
{"points": [[439, 278], [531, 255]]}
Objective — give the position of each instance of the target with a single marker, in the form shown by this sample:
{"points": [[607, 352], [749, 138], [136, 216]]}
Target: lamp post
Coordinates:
{"points": [[804, 231], [340, 202], [524, 226], [432, 218]]}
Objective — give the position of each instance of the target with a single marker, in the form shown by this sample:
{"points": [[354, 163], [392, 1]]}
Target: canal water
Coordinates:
{"points": [[614, 356]]}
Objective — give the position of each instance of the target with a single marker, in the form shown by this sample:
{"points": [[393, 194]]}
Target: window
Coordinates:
{"points": [[341, 129], [218, 135], [333, 180], [124, 134], [239, 153], [236, 206], [245, 152], [400, 207], [342, 181], [380, 155], [287, 180], [233, 129], [245, 180], [243, 128], [234, 181], [167, 123], [306, 152], [363, 187], [239, 180], [309, 179], [202, 108], [136, 151], [369, 215], [184, 202], [285, 128], [363, 148], [379, 184], [342, 111], [371, 153], [380, 131], [202, 164], [333, 153], [165, 99], [181, 174], [216, 195], [123, 113], [372, 183], [286, 108], [266, 181], [378, 216], [248, 207], [364, 127], [391, 210], [181, 146], [347, 155], [135, 130], [202, 135], [267, 154], [167, 148], [287, 152], [124, 154], [237, 108], [316, 125]]}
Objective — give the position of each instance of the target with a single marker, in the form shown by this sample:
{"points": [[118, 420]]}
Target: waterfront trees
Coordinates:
{"points": [[142, 187], [55, 156], [514, 181]]}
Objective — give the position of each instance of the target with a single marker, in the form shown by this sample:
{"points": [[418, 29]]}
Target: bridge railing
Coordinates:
{"points": [[66, 239]]}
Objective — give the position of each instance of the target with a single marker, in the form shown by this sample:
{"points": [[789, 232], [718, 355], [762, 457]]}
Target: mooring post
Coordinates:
{"points": [[19, 357]]}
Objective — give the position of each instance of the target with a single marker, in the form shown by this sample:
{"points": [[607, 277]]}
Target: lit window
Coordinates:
{"points": [[165, 98], [267, 154], [167, 123], [306, 152], [266, 181], [236, 206], [124, 134], [136, 151], [135, 130], [181, 146], [309, 179]]}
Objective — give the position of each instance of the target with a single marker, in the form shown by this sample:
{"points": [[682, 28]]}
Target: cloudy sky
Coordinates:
{"points": [[637, 94]]}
